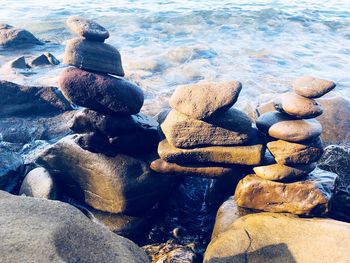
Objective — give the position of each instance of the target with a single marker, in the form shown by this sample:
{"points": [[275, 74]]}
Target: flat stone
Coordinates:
{"points": [[245, 155], [298, 106], [274, 238], [44, 59], [232, 127], [284, 127], [39, 183], [16, 37], [311, 87], [103, 93], [202, 100], [40, 230], [94, 56], [165, 167], [280, 172], [296, 153], [112, 125], [308, 197], [87, 28], [120, 184]]}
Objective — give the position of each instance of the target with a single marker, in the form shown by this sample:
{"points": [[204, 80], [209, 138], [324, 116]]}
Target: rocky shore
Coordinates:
{"points": [[86, 176]]}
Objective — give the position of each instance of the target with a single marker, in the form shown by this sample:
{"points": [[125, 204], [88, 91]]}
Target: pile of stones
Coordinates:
{"points": [[284, 183], [105, 165], [204, 136]]}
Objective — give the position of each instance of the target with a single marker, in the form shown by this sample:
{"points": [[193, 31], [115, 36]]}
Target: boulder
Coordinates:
{"points": [[243, 155], [307, 197], [18, 100], [87, 28], [280, 172], [269, 237], [94, 56], [103, 93], [39, 230], [311, 87], [112, 125], [120, 184], [298, 106], [16, 37], [17, 63], [164, 167], [11, 166], [201, 100], [44, 59], [232, 127], [290, 153], [39, 183], [280, 126]]}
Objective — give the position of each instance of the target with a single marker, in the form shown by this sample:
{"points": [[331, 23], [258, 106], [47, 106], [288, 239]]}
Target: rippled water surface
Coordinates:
{"points": [[264, 44]]}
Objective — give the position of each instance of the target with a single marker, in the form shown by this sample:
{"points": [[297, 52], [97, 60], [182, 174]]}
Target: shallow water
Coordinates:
{"points": [[264, 44]]}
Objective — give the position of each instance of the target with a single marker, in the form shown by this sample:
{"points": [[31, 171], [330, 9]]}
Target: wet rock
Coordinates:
{"points": [[283, 127], [202, 100], [280, 172], [311, 87], [120, 184], [290, 153], [16, 37], [40, 230], [103, 93], [243, 155], [39, 183], [11, 166], [18, 63], [112, 125], [160, 116], [229, 128], [23, 101], [337, 160], [270, 237], [298, 106], [87, 28], [307, 197], [164, 167], [44, 60], [94, 56], [335, 120]]}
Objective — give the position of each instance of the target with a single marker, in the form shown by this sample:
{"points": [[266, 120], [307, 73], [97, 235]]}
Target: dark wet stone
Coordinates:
{"points": [[44, 60], [11, 169], [16, 37]]}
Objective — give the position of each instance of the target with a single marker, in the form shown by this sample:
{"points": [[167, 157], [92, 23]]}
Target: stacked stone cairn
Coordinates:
{"points": [[105, 165], [284, 183], [204, 136]]}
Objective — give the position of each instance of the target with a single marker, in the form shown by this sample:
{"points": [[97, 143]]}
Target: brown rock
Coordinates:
{"points": [[202, 100], [298, 106], [94, 56], [87, 28], [296, 153], [309, 197], [245, 155], [99, 92], [311, 87], [164, 167], [229, 128], [280, 172]]}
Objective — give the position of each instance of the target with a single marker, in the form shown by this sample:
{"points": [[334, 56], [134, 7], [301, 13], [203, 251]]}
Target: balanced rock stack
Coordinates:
{"points": [[106, 165], [284, 183], [204, 136]]}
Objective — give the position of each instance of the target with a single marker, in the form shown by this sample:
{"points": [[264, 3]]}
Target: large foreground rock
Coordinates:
{"points": [[18, 100], [202, 100], [275, 238], [113, 184], [38, 230], [310, 196], [94, 56], [100, 92], [229, 128], [16, 37]]}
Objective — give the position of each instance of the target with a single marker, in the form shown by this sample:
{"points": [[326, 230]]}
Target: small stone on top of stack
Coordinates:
{"points": [[285, 184], [204, 136]]}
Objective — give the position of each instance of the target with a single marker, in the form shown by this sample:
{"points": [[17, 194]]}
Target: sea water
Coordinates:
{"points": [[265, 44]]}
